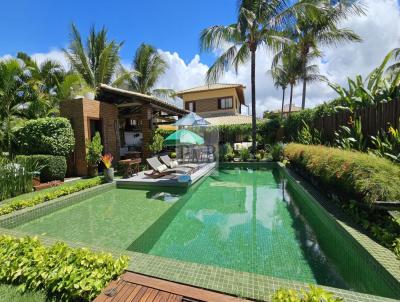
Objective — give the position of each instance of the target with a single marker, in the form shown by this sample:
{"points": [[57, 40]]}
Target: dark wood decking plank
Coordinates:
{"points": [[179, 289], [151, 293], [134, 293], [140, 294], [162, 297]]}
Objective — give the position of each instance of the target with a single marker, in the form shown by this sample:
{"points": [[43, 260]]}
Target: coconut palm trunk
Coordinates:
{"points": [[291, 99], [283, 101], [253, 98], [303, 98]]}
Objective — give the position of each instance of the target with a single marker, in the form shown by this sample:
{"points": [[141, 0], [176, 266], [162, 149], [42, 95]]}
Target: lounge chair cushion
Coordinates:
{"points": [[161, 168], [174, 164]]}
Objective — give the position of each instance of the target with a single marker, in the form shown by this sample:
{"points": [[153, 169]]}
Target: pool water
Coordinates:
{"points": [[249, 220]]}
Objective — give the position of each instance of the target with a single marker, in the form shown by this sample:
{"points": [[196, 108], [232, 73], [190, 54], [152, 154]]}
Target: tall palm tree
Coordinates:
{"points": [[98, 61], [320, 28], [149, 66], [13, 92], [258, 25], [281, 80]]}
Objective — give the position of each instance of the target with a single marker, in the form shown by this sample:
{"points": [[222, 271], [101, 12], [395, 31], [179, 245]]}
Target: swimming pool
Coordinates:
{"points": [[246, 219]]}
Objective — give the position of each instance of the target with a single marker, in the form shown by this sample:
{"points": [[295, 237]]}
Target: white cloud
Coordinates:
{"points": [[379, 29], [56, 55]]}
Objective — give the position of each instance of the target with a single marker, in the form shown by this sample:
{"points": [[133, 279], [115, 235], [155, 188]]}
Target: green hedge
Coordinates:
{"points": [[67, 274], [52, 136], [350, 174], [41, 197], [53, 167]]}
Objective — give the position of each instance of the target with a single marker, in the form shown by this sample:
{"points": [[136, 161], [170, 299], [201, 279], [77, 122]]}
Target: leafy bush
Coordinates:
{"points": [[93, 150], [52, 167], [244, 154], [16, 178], [350, 174], [52, 136], [268, 130], [313, 295], [351, 137], [157, 142], [226, 152], [308, 135], [41, 197], [387, 144], [65, 273], [277, 152], [295, 122]]}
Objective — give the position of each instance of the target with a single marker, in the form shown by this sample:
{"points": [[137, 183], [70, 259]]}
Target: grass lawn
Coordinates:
{"points": [[9, 293]]}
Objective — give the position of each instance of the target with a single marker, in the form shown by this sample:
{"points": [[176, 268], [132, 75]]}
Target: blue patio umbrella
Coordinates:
{"points": [[192, 119]]}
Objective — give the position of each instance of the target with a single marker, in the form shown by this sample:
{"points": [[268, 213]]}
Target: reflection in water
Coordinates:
{"points": [[245, 220]]}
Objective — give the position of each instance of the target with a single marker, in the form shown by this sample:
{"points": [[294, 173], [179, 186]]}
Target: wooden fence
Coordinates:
{"points": [[373, 119]]}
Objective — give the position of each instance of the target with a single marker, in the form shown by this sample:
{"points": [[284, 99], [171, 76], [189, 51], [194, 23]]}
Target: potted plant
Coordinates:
{"points": [[93, 154], [109, 171]]}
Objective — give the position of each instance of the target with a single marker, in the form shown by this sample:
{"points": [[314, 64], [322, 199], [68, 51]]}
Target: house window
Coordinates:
{"points": [[225, 103], [133, 122], [191, 106]]}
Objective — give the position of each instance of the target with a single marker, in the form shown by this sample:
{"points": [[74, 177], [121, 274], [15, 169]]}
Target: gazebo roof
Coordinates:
{"points": [[125, 98]]}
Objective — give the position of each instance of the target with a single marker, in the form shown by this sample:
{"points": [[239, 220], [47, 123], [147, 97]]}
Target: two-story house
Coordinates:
{"points": [[218, 103]]}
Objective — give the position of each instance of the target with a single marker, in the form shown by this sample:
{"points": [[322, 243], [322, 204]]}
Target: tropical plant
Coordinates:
{"points": [[64, 273], [277, 152], [13, 96], [149, 65], [157, 143], [244, 154], [387, 144], [308, 135], [52, 167], [98, 61], [93, 150], [107, 160], [259, 24], [314, 294], [281, 80], [16, 178], [351, 137], [227, 152], [317, 27]]}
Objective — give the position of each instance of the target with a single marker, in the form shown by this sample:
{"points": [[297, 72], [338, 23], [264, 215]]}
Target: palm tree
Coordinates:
{"points": [[98, 61], [395, 67], [320, 28], [149, 66], [43, 82], [258, 25], [13, 91], [281, 80]]}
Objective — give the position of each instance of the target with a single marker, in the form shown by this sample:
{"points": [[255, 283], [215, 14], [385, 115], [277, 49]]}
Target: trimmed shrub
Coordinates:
{"points": [[43, 196], [53, 167], [313, 294], [350, 174], [52, 136], [68, 274]]}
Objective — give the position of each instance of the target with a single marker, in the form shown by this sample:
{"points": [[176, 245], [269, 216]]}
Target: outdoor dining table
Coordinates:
{"points": [[130, 166]]}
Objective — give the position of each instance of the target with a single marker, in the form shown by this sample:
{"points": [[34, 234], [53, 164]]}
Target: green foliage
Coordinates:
{"points": [[296, 121], [173, 155], [93, 150], [314, 294], [63, 272], [51, 167], [16, 178], [157, 142], [308, 135], [244, 154], [226, 152], [12, 293], [351, 137], [277, 152], [43, 196], [387, 144], [360, 176], [267, 130], [52, 136]]}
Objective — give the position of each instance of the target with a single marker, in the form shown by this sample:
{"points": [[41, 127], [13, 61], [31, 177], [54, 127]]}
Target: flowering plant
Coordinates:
{"points": [[107, 160]]}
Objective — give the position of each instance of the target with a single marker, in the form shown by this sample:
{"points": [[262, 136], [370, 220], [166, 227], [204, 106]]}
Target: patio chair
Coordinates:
{"points": [[160, 170], [174, 164]]}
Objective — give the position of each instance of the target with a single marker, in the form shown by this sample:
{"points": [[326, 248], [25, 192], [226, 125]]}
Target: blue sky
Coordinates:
{"points": [[39, 26]]}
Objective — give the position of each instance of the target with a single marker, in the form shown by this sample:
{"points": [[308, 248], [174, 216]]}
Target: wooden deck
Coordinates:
{"points": [[139, 288]]}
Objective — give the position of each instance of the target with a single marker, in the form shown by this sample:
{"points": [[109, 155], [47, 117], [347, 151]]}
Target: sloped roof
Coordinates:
{"points": [[103, 88], [216, 86], [286, 109], [229, 120]]}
